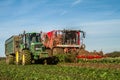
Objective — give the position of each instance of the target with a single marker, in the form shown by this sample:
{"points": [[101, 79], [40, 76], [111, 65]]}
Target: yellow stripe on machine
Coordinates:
{"points": [[17, 55], [23, 58]]}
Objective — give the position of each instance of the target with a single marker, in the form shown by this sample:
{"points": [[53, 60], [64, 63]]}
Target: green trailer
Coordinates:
{"points": [[27, 48], [11, 46]]}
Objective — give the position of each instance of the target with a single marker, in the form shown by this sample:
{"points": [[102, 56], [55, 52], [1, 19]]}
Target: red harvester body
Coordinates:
{"points": [[68, 42]]}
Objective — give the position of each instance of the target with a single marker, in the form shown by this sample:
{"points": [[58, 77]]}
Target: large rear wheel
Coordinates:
{"points": [[57, 51], [26, 57], [49, 52]]}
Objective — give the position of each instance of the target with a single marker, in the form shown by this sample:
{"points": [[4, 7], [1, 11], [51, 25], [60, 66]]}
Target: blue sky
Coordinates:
{"points": [[100, 19]]}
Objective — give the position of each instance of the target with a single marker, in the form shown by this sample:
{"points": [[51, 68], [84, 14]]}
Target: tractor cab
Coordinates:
{"points": [[29, 39], [32, 42], [71, 37]]}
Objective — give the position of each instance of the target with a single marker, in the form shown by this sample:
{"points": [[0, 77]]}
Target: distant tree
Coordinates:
{"points": [[113, 54]]}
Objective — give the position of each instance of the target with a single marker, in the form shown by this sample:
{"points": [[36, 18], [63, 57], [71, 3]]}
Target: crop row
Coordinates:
{"points": [[103, 60], [55, 72]]}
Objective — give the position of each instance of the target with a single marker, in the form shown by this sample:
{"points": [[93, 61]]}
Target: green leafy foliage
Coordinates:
{"points": [[113, 54], [102, 60], [66, 57], [61, 57], [55, 72]]}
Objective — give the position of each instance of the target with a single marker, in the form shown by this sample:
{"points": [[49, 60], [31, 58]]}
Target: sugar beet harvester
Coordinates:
{"points": [[27, 48], [69, 42]]}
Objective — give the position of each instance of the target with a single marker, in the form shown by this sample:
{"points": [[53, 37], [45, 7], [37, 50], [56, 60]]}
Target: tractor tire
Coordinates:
{"points": [[74, 57], [49, 52], [57, 51], [26, 57], [10, 59]]}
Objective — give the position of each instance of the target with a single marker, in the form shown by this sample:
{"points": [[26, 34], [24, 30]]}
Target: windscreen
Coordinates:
{"points": [[35, 37], [71, 37]]}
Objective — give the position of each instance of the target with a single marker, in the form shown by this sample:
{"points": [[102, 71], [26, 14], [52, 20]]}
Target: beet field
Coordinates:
{"points": [[84, 70]]}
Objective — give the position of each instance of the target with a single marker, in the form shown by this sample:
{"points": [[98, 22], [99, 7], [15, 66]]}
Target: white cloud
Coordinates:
{"points": [[76, 2]]}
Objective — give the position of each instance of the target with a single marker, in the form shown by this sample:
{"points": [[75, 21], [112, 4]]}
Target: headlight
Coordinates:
{"points": [[37, 49]]}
